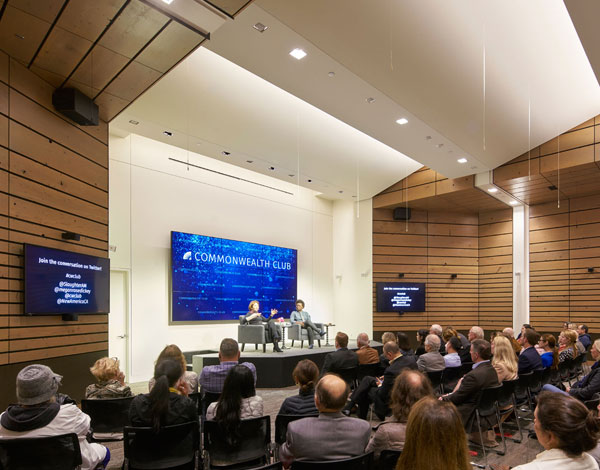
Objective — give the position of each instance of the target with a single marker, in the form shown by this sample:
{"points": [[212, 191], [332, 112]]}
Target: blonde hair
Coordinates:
{"points": [[105, 368], [505, 354], [572, 338], [449, 332]]}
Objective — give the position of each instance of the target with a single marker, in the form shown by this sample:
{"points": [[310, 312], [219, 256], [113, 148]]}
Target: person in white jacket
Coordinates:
{"points": [[567, 430], [38, 415]]}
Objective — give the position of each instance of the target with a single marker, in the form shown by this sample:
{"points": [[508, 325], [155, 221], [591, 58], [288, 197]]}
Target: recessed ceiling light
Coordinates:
{"points": [[439, 145], [168, 2], [226, 153], [168, 133], [370, 100], [261, 28], [462, 160], [134, 122], [298, 54], [331, 74], [340, 191], [513, 203], [427, 137], [291, 176], [552, 188], [493, 190], [249, 161], [401, 121], [271, 168], [310, 181]]}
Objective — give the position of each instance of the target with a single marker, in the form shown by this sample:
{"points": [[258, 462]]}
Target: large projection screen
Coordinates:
{"points": [[214, 279]]}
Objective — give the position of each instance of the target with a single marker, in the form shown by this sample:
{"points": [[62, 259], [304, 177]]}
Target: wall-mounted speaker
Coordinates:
{"points": [[402, 213], [76, 106]]}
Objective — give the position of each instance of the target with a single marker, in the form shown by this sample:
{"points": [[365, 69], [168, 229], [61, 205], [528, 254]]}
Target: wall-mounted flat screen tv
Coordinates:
{"points": [[63, 282], [216, 278], [400, 297]]}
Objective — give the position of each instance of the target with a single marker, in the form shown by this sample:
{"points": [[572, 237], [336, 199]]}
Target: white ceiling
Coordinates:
{"points": [[418, 61]]}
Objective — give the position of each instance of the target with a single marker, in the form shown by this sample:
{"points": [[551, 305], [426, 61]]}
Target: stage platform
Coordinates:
{"points": [[274, 370]]}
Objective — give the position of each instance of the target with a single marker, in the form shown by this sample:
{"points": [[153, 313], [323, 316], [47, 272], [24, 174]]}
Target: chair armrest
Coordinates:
{"points": [[251, 334]]}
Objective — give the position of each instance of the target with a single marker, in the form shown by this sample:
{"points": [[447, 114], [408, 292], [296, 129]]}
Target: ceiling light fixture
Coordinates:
{"points": [[249, 161], [134, 122], [462, 160], [331, 74], [310, 181], [168, 133], [261, 28], [402, 121], [370, 100], [168, 2], [493, 190], [298, 53], [226, 153], [291, 176], [271, 168], [340, 191], [513, 203]]}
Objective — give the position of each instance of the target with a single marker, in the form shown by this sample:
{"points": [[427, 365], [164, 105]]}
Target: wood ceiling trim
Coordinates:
{"points": [[58, 15]]}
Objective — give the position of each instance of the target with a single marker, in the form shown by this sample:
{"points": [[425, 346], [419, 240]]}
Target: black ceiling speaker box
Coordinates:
{"points": [[76, 106], [402, 213]]}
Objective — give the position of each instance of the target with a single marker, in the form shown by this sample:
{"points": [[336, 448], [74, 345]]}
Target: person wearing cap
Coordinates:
{"points": [[38, 415]]}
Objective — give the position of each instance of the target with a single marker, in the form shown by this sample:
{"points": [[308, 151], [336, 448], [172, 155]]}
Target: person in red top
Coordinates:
{"points": [[366, 354]]}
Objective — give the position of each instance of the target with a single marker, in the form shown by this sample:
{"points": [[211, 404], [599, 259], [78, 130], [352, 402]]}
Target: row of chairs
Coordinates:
{"points": [[444, 381]]}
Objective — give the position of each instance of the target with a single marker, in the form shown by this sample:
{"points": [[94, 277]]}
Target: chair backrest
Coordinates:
{"points": [[451, 375], [254, 439], [373, 370], [435, 376], [40, 453], [488, 399], [242, 319], [506, 393], [592, 404], [388, 459], [466, 367], [107, 414], [207, 399], [196, 397], [172, 446], [523, 382], [361, 462], [349, 374], [564, 368], [535, 383], [271, 466], [281, 425]]}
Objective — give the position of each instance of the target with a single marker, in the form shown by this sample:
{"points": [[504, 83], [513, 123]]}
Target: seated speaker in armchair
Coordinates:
{"points": [[302, 318], [254, 317]]}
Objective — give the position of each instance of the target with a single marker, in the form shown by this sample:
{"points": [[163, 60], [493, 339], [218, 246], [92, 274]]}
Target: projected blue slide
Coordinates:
{"points": [[215, 278]]}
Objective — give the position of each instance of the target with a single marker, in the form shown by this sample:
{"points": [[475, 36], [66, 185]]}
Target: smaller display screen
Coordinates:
{"points": [[64, 282], [400, 297]]}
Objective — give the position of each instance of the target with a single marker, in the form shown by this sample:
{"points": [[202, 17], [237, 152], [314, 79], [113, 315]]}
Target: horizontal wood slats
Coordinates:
{"points": [[53, 178]]}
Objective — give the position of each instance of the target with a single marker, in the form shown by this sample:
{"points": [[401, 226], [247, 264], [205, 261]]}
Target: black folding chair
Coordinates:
{"points": [[435, 377], [349, 374], [592, 404], [253, 446], [564, 369], [388, 459], [522, 396], [173, 446], [281, 425], [535, 384], [372, 370], [206, 399], [466, 367], [108, 416], [40, 453], [576, 368], [507, 404], [362, 462], [450, 378], [487, 410]]}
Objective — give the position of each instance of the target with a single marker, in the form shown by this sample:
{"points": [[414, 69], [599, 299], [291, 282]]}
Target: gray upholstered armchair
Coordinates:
{"points": [[252, 334], [297, 333]]}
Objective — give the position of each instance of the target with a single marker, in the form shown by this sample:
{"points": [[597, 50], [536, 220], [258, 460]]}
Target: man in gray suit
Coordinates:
{"points": [[432, 360], [332, 435]]}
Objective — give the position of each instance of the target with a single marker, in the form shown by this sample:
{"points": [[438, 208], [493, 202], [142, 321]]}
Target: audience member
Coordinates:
{"points": [[212, 378], [254, 317], [373, 390], [550, 354], [589, 385], [523, 328], [510, 334], [504, 359], [404, 344], [386, 338], [366, 354], [409, 387], [578, 344], [437, 330], [331, 436], [435, 438], [566, 430], [468, 391], [306, 375], [341, 358], [432, 360], [110, 380], [302, 317], [421, 335], [453, 346], [584, 337], [237, 401], [567, 348], [38, 415], [529, 359], [476, 332], [190, 382], [449, 332], [165, 405]]}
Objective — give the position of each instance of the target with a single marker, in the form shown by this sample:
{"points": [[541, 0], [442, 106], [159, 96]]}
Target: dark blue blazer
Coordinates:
{"points": [[529, 360]]}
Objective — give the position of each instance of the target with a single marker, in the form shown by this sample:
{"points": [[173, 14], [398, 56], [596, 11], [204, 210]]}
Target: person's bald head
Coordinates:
{"points": [[362, 340], [331, 393]]}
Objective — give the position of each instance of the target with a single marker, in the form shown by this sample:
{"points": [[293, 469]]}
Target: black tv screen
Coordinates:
{"points": [[400, 297], [216, 278], [64, 282]]}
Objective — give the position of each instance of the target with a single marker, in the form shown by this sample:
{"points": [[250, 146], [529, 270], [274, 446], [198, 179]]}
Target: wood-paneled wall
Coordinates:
{"points": [[564, 243], [431, 247], [53, 178]]}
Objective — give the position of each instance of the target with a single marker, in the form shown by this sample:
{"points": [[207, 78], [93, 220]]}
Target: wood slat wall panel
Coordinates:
{"points": [[53, 178]]}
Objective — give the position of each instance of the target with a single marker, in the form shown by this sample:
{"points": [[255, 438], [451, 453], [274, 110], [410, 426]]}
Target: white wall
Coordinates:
{"points": [[352, 267], [151, 195]]}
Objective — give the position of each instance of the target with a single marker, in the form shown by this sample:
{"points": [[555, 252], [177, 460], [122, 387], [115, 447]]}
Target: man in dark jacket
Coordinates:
{"points": [[584, 338], [529, 359], [483, 375], [377, 391], [341, 358]]}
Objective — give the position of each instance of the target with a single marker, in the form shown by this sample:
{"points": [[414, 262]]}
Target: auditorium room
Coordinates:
{"points": [[299, 234]]}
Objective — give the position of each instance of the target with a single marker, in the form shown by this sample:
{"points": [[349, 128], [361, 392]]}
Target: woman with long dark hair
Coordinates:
{"points": [[238, 401], [164, 405], [421, 335]]}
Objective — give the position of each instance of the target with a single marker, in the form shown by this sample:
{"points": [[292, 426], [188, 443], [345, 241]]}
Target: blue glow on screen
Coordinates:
{"points": [[216, 279]]}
